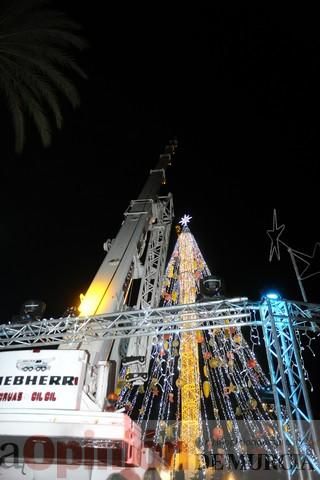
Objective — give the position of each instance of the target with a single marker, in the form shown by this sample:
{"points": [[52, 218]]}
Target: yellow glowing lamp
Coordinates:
{"points": [[89, 303], [96, 300], [87, 306]]}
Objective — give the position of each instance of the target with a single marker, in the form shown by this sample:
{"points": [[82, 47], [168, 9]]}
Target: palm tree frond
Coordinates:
{"points": [[40, 88], [35, 52], [33, 107], [15, 109], [18, 124]]}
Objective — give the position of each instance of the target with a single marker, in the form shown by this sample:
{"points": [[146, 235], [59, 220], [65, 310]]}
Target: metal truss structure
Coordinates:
{"points": [[282, 323], [126, 324], [156, 254]]}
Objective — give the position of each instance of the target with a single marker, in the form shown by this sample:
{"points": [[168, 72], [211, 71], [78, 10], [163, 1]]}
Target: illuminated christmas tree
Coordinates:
{"points": [[203, 395]]}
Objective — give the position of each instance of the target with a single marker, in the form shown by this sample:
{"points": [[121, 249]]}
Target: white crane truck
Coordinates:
{"points": [[55, 374]]}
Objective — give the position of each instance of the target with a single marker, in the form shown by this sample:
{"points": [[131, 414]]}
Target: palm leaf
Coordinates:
{"points": [[36, 51], [37, 85], [15, 108]]}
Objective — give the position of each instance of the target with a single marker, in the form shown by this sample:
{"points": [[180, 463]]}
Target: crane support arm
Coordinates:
{"points": [[105, 294]]}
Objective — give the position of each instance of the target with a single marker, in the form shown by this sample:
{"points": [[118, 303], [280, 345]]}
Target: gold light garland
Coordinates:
{"points": [[191, 428]]}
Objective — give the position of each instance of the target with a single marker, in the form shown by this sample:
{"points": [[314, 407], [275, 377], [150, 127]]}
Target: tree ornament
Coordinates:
{"points": [[238, 411], [169, 432], [237, 338], [112, 398], [162, 424], [174, 296], [214, 362], [229, 425], [253, 403], [217, 433], [231, 363], [155, 391], [206, 388], [251, 363]]}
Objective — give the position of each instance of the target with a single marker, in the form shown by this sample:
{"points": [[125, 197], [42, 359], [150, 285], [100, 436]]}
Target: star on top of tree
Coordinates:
{"points": [[274, 235], [185, 220]]}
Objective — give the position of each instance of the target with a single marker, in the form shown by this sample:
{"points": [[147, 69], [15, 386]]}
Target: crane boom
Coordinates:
{"points": [[138, 252], [106, 293]]}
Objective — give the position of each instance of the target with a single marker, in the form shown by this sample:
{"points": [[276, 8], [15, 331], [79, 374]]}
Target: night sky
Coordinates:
{"points": [[239, 87]]}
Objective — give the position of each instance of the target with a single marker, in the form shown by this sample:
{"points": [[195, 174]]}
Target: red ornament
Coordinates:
{"points": [[112, 397], [217, 433], [251, 363], [207, 355]]}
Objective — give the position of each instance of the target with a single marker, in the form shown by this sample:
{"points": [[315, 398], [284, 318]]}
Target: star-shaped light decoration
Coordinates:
{"points": [[185, 220], [312, 264], [274, 235]]}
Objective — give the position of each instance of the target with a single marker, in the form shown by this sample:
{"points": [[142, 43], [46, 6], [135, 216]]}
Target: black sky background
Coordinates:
{"points": [[239, 87]]}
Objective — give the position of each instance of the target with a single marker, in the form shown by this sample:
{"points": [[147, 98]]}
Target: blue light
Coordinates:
{"points": [[273, 296]]}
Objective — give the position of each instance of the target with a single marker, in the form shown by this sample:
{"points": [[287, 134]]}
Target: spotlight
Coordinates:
{"points": [[273, 296]]}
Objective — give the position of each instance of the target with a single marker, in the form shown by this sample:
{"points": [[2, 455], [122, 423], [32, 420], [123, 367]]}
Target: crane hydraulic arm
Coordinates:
{"points": [[107, 290], [138, 252]]}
